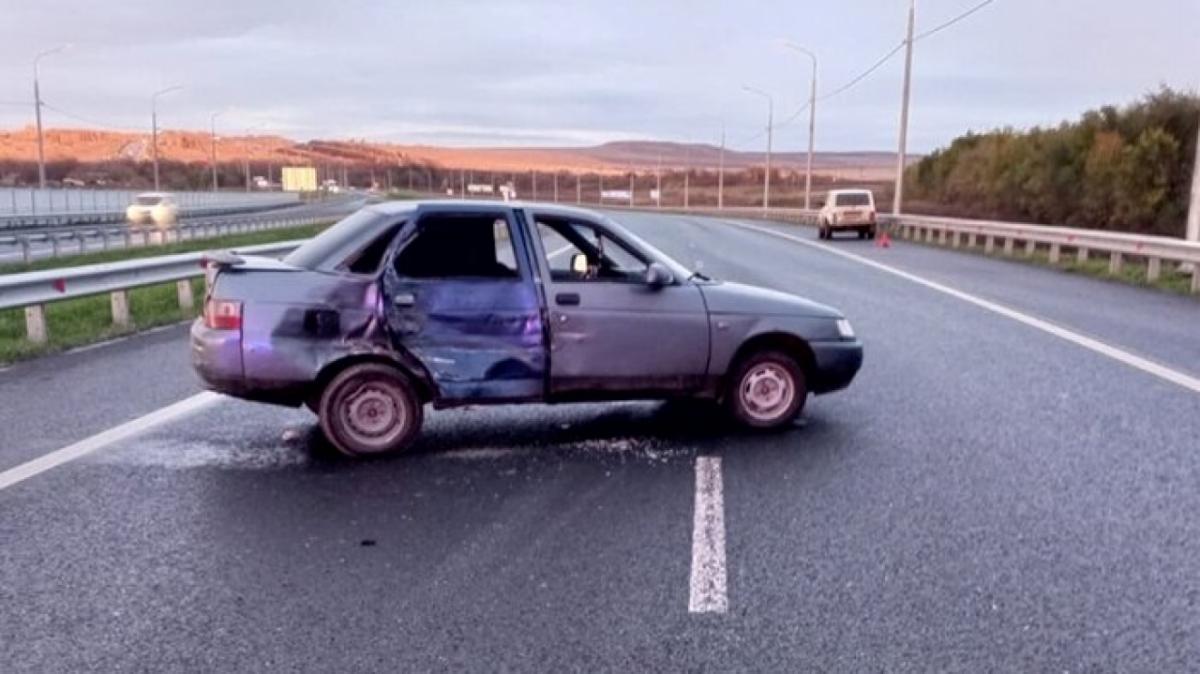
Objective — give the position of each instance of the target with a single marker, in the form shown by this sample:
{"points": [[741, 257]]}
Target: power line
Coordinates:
{"points": [[886, 57], [85, 120], [951, 22]]}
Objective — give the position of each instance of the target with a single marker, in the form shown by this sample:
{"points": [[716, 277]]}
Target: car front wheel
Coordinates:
{"points": [[767, 390], [370, 409]]}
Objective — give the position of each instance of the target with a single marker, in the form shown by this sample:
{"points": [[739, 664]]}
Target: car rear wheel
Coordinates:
{"points": [[767, 390], [370, 409]]}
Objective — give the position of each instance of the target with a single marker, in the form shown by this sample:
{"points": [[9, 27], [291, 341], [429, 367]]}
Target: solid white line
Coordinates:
{"points": [[103, 439], [708, 593], [1133, 360]]}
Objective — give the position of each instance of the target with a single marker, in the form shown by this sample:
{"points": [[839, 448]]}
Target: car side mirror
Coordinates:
{"points": [[658, 275], [579, 264]]}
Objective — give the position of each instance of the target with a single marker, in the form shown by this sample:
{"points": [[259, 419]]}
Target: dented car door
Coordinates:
{"points": [[460, 298]]}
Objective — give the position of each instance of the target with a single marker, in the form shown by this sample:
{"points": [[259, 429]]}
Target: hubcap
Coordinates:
{"points": [[767, 391], [374, 415]]}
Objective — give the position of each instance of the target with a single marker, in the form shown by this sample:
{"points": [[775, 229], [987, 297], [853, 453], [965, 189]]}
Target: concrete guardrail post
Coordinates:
{"points": [[956, 242], [1030, 247], [972, 240], [941, 237], [53, 246], [1081, 255], [1153, 269], [26, 255], [1008, 246], [82, 242], [184, 289], [120, 308], [35, 323], [1115, 262], [1055, 253], [990, 245], [1195, 280]]}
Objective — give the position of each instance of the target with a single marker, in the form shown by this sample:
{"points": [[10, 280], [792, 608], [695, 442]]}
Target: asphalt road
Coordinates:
{"points": [[987, 496]]}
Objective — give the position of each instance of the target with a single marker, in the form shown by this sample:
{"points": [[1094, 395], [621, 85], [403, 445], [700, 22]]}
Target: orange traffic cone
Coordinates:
{"points": [[883, 240]]}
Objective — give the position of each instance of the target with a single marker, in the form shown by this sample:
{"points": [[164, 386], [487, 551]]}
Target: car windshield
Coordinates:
{"points": [[853, 199], [148, 200]]}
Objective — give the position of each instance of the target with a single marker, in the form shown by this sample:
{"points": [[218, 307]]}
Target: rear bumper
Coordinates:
{"points": [[836, 364], [217, 357], [852, 224]]}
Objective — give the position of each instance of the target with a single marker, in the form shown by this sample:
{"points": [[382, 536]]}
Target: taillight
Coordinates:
{"points": [[872, 217], [223, 314]]}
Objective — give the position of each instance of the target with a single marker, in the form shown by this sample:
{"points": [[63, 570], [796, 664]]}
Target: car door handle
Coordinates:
{"points": [[567, 299], [404, 300]]}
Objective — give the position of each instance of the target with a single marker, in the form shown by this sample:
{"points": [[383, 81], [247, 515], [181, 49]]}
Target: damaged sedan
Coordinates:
{"points": [[462, 303]]}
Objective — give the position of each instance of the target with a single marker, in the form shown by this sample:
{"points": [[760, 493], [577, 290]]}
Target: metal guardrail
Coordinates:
{"points": [[131, 237], [1118, 247], [34, 290]]}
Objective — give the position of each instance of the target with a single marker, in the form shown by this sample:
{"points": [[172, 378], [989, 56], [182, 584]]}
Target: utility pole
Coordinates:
{"points": [[631, 175], [37, 113], [212, 126], [1193, 221], [721, 172], [812, 124], [154, 129], [901, 160], [600, 184], [533, 184], [770, 133], [556, 186], [578, 188]]}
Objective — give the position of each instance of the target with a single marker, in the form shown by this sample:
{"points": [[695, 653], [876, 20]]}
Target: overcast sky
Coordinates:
{"points": [[528, 72]]}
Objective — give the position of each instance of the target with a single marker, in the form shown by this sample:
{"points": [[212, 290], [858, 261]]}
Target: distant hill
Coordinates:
{"points": [[91, 146]]}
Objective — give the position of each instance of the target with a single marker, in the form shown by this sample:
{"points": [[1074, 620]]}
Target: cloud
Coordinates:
{"points": [[551, 73]]}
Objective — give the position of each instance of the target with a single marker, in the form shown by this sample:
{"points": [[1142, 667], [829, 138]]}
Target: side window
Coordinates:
{"points": [[460, 246], [368, 259], [579, 252]]}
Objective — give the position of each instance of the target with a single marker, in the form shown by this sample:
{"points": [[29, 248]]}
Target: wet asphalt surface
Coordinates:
{"points": [[985, 497]]}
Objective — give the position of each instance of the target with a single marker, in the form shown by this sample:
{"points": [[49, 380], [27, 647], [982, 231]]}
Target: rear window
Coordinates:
{"points": [[148, 201], [333, 246], [853, 199]]}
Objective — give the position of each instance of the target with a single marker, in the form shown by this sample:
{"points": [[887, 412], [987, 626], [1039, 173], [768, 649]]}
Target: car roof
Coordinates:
{"points": [[154, 194], [852, 191], [404, 207]]}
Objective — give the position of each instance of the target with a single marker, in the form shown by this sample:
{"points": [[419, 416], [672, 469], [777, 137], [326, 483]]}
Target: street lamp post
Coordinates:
{"points": [[37, 113], [212, 127], [898, 198], [812, 123], [770, 133], [154, 128]]}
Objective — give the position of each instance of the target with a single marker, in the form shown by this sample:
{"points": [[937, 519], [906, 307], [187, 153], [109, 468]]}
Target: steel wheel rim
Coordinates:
{"points": [[374, 415], [767, 391]]}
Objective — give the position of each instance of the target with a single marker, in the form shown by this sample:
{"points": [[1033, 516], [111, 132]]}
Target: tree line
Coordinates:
{"points": [[1121, 168]]}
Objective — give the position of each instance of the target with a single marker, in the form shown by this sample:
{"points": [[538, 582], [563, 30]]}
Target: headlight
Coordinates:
{"points": [[844, 329]]}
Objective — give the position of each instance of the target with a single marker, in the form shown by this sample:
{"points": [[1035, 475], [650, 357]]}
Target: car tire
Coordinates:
{"points": [[862, 234], [370, 409], [871, 233], [766, 391]]}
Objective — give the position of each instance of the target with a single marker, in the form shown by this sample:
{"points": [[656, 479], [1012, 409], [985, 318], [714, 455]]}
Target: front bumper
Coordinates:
{"points": [[835, 364]]}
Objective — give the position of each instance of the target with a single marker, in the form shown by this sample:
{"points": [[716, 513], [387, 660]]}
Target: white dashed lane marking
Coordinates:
{"points": [[708, 593]]}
